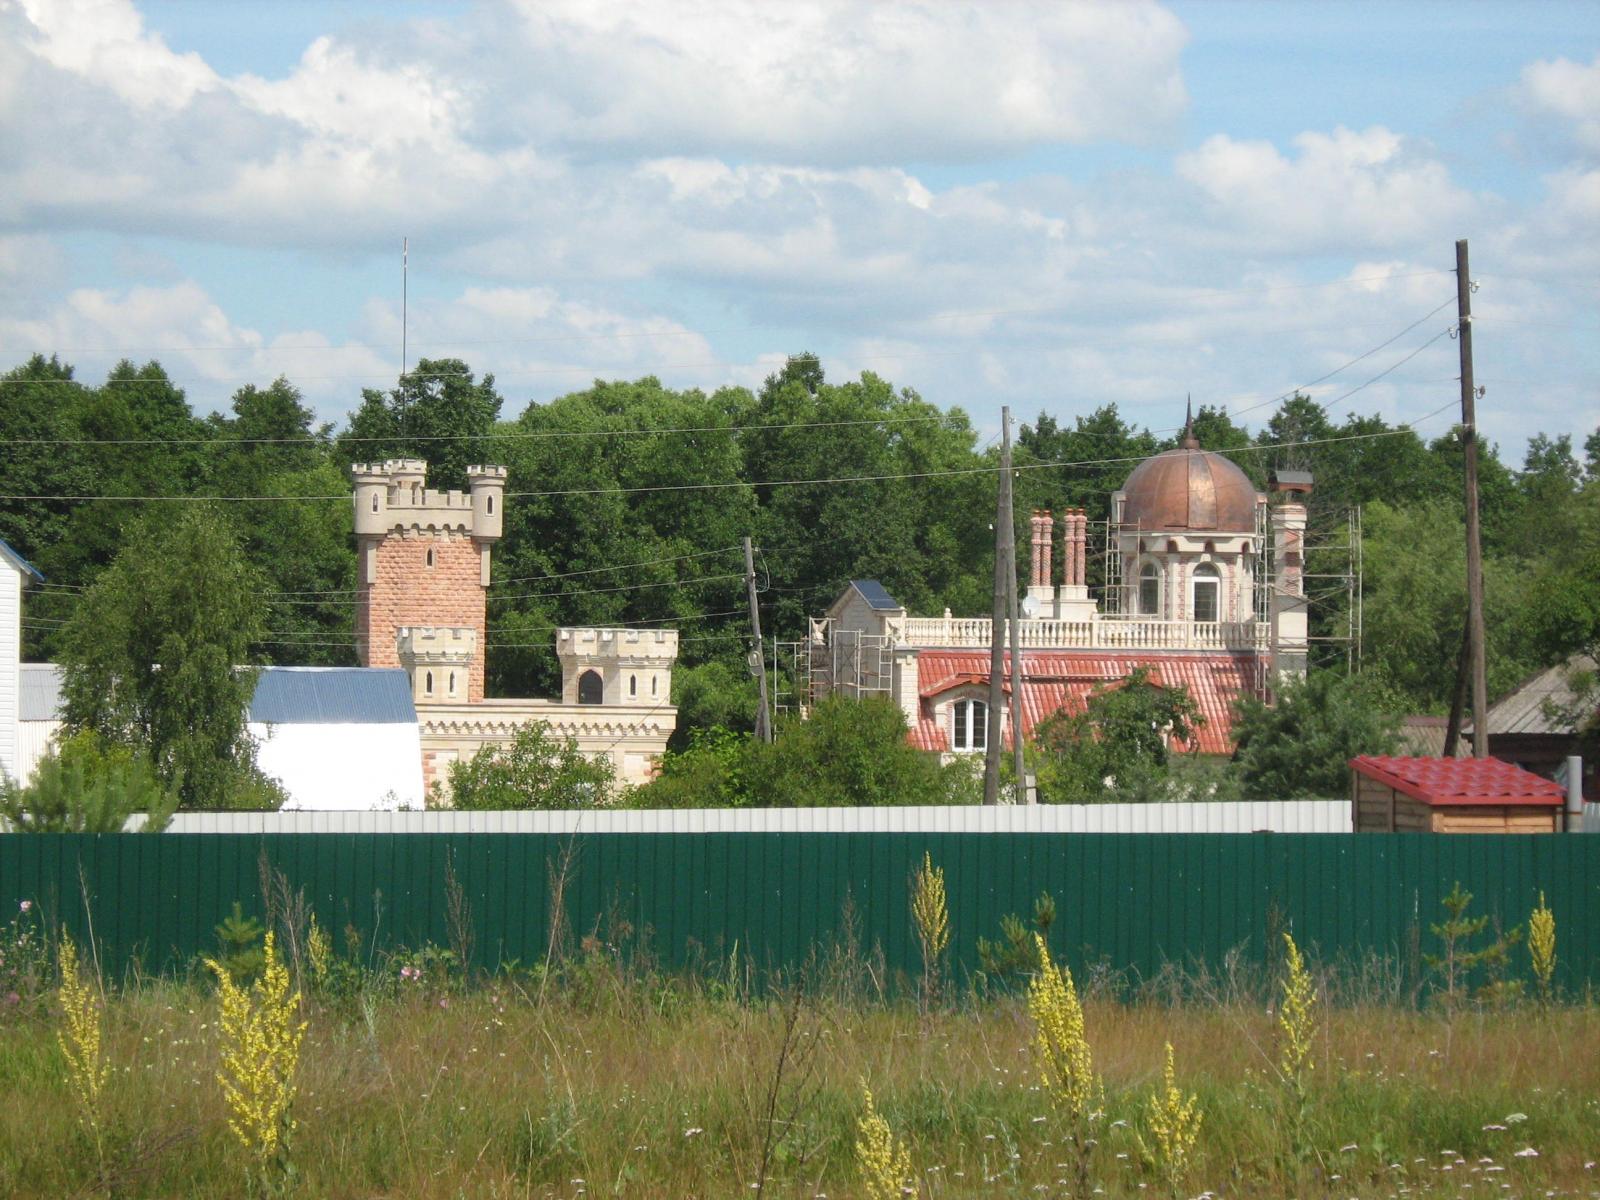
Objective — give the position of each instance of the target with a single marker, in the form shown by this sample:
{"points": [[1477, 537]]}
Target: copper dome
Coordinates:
{"points": [[1189, 488]]}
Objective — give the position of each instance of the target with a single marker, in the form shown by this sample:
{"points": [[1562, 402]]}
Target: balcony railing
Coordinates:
{"points": [[1111, 633]]}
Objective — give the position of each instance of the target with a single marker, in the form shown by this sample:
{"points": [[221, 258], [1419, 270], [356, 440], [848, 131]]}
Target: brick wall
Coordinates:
{"points": [[406, 591]]}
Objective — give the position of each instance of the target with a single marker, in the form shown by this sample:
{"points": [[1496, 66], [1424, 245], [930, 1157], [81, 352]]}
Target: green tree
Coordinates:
{"points": [[154, 657], [84, 785], [439, 412], [535, 770], [1117, 748], [712, 771], [853, 752], [1300, 745]]}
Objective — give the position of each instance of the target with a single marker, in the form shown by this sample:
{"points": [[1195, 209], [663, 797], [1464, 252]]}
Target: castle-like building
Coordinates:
{"points": [[423, 573], [1203, 585]]}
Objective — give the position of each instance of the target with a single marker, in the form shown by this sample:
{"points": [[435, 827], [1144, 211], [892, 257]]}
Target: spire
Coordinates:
{"points": [[1190, 442]]}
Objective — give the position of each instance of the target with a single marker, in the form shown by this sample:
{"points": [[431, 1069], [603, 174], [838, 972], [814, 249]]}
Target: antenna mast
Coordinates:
{"points": [[405, 272]]}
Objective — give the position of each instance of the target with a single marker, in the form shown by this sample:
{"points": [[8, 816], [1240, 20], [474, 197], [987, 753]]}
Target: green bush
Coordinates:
{"points": [[532, 771], [87, 785]]}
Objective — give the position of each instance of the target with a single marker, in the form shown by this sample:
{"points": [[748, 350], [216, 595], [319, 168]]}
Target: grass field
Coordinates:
{"points": [[601, 1081]]}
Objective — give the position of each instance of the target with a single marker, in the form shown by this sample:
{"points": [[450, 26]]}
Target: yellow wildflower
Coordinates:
{"points": [[932, 919], [1174, 1126], [319, 953], [1066, 1066], [80, 1037], [260, 1053], [884, 1161], [1542, 946], [1297, 1019]]}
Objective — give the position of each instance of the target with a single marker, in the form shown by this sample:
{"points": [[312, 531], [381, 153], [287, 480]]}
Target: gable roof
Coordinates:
{"points": [[1538, 704], [1452, 781], [333, 696], [1056, 680], [283, 696], [16, 560], [875, 594]]}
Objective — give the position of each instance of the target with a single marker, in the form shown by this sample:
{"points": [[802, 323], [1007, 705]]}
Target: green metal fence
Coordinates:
{"points": [[1131, 901]]}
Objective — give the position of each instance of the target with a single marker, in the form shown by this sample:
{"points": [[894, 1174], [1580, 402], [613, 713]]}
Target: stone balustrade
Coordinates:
{"points": [[1104, 634]]}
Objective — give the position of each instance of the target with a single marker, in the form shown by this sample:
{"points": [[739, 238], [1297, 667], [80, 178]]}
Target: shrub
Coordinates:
{"points": [[532, 771], [88, 785]]}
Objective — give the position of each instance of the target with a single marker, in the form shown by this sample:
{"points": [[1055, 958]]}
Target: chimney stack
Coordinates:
{"points": [[1074, 603], [1040, 599]]}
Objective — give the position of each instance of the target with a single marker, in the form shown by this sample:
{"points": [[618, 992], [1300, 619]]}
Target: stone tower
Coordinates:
{"points": [[423, 573]]}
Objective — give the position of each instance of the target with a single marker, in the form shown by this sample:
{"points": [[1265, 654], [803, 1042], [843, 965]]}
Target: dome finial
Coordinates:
{"points": [[1190, 442]]}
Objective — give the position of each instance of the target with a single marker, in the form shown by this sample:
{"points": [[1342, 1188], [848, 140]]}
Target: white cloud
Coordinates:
{"points": [[1368, 188], [835, 80], [105, 41], [1569, 91]]}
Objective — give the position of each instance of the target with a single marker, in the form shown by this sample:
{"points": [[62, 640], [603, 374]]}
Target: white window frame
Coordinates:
{"points": [[1161, 588], [974, 713], [1205, 574]]}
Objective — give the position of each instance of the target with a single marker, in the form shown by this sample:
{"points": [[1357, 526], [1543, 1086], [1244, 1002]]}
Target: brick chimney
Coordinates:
{"points": [[1074, 603], [1289, 630], [1040, 598]]}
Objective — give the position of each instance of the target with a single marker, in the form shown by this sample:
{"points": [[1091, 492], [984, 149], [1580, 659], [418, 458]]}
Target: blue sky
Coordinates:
{"points": [[1053, 206]]}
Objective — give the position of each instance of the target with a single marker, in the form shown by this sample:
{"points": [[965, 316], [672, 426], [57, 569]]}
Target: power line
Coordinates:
{"points": [[655, 489], [313, 443], [621, 335]]}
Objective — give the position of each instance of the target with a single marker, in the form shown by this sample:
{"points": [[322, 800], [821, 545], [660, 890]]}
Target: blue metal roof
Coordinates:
{"points": [[284, 695], [22, 564], [333, 696], [874, 594]]}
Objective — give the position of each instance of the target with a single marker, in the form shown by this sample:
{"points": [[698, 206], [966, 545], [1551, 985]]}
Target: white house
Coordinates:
{"points": [[15, 572]]}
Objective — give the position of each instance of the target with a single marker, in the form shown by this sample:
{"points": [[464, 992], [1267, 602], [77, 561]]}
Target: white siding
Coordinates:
{"points": [[1286, 816], [10, 657], [33, 739], [343, 767]]}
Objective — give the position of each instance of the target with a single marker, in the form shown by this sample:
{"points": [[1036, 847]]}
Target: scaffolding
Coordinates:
{"points": [[831, 661], [1334, 587]]}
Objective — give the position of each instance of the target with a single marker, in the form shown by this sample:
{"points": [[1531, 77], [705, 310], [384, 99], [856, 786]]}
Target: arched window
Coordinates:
{"points": [[1149, 590], [1206, 593], [452, 691], [490, 499], [633, 685], [653, 681], [969, 726], [427, 683], [430, 556], [374, 501], [591, 688]]}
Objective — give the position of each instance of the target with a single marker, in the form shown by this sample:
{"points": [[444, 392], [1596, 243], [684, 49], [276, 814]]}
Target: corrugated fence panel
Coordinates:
{"points": [[1289, 816], [1127, 901]]}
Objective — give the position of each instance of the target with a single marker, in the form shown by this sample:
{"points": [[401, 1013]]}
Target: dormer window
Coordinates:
{"points": [[969, 726]]}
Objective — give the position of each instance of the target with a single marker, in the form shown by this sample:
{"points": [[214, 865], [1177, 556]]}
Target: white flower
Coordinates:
{"points": [[1527, 1152]]}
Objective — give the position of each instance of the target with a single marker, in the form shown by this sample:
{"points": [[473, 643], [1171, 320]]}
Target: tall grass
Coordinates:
{"points": [[606, 1080]]}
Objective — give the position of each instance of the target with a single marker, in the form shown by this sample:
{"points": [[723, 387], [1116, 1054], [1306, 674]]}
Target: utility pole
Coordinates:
{"points": [[1469, 435], [1004, 553], [1021, 796], [757, 666], [1458, 701]]}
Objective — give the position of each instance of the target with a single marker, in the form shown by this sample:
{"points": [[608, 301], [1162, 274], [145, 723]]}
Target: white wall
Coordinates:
{"points": [[343, 767], [10, 657]]}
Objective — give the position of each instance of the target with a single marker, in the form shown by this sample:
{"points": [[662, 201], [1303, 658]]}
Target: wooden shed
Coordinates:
{"points": [[1450, 795]]}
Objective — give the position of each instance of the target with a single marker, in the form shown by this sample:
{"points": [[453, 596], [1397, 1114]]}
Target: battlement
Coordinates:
{"points": [[435, 644], [393, 495], [653, 646]]}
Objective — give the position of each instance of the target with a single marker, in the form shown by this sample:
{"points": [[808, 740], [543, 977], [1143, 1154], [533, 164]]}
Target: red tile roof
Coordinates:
{"points": [[1451, 781], [1064, 679]]}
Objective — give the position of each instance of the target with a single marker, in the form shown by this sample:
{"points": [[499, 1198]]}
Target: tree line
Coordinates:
{"points": [[627, 501]]}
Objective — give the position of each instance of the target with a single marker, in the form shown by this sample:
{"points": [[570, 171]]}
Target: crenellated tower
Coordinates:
{"points": [[423, 571]]}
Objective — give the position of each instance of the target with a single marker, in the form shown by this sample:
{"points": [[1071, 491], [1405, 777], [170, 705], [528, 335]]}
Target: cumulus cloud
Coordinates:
{"points": [[1368, 188], [836, 81], [1569, 91]]}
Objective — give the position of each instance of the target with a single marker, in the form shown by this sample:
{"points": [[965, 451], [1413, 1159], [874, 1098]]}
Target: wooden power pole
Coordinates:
{"points": [[757, 666], [1469, 436], [1004, 555]]}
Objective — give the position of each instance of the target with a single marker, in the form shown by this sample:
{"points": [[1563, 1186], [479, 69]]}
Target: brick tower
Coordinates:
{"points": [[423, 572]]}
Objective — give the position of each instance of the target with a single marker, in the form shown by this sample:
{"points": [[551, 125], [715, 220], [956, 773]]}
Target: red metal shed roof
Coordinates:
{"points": [[1055, 679], [1452, 781]]}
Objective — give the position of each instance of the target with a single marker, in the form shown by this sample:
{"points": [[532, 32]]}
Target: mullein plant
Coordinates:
{"points": [[82, 1044], [1174, 1124], [932, 917], [260, 1054], [882, 1159], [1542, 947], [319, 955], [1065, 1062], [1296, 1032]]}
